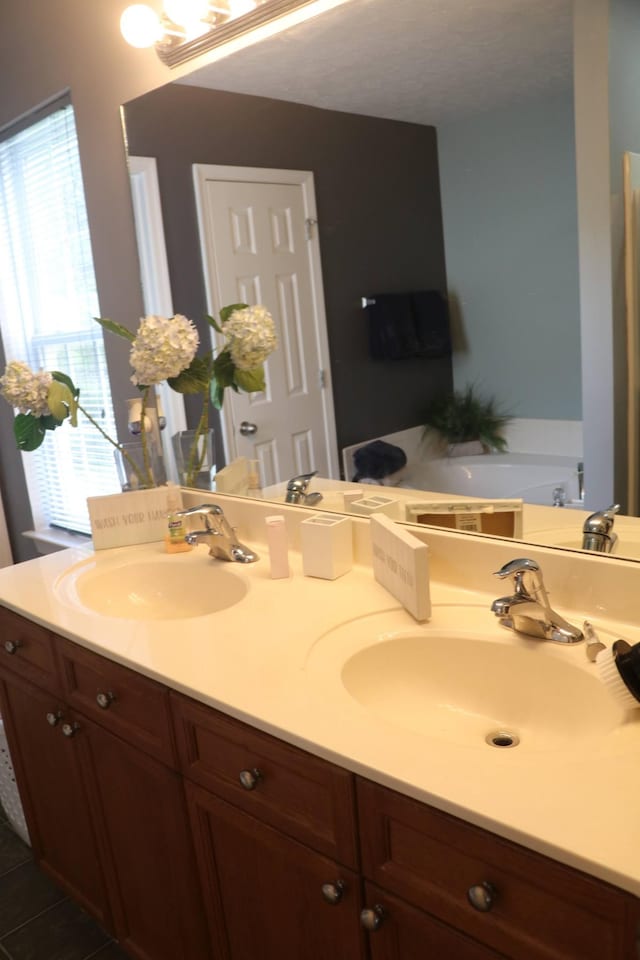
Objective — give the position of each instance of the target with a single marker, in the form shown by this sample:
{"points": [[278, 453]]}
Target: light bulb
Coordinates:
{"points": [[186, 12], [238, 8], [140, 26]]}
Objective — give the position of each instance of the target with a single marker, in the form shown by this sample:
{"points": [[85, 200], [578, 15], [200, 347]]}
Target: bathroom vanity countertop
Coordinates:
{"points": [[255, 661]]}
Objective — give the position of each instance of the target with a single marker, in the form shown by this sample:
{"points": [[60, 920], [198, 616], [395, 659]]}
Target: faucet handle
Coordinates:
{"points": [[527, 577], [301, 482], [513, 567], [205, 510]]}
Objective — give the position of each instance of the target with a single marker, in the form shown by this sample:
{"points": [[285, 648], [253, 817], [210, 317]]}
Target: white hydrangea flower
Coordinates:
{"points": [[163, 348], [251, 336], [26, 390]]}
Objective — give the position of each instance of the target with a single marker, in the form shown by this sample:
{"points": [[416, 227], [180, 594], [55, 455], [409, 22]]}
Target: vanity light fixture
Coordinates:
{"points": [[188, 28]]}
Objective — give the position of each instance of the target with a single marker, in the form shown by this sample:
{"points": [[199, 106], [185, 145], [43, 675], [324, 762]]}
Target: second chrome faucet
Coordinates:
{"points": [[527, 609]]}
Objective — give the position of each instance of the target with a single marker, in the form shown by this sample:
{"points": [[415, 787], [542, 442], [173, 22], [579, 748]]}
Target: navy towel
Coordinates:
{"points": [[405, 325], [377, 460]]}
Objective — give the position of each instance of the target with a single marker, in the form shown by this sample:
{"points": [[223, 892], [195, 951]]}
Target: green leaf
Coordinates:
{"points": [[60, 400], [212, 323], [28, 431], [224, 369], [114, 327], [63, 378], [252, 381], [226, 312], [195, 379], [217, 394], [50, 422]]}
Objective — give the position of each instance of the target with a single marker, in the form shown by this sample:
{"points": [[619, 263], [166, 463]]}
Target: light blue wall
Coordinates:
{"points": [[510, 226]]}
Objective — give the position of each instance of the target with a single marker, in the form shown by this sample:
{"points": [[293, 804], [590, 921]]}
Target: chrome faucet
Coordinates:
{"points": [[297, 490], [218, 534], [528, 610], [597, 530]]}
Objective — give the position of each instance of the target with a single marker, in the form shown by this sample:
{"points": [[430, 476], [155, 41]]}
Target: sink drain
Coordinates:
{"points": [[502, 738]]}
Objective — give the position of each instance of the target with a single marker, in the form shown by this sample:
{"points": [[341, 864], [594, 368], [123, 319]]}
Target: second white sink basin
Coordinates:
{"points": [[469, 688], [154, 588]]}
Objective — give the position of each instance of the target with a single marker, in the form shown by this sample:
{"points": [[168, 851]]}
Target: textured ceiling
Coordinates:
{"points": [[424, 61]]}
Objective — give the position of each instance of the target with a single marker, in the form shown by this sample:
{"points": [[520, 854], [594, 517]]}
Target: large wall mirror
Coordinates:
{"points": [[442, 144]]}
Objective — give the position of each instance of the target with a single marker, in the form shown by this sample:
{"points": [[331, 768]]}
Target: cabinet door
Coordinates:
{"points": [[397, 931], [146, 850], [268, 896], [49, 777]]}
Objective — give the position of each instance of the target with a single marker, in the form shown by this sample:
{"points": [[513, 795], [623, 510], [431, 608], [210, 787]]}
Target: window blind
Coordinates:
{"points": [[48, 298]]}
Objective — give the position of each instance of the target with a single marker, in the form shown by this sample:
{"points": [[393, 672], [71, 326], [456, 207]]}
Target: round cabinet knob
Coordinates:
{"points": [[249, 778], [54, 718], [248, 429], [333, 892], [104, 700], [12, 646], [482, 896], [70, 729], [371, 919]]}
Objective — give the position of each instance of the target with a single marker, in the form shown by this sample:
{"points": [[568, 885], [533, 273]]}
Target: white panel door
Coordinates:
{"points": [[259, 246]]}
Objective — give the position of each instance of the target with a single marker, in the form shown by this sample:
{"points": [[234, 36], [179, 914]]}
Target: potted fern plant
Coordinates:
{"points": [[466, 423]]}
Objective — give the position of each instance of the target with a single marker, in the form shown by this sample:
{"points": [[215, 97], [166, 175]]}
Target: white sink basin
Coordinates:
{"points": [[153, 588], [469, 688]]}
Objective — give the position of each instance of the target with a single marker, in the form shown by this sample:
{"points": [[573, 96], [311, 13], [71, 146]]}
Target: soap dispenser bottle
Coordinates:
{"points": [[174, 538]]}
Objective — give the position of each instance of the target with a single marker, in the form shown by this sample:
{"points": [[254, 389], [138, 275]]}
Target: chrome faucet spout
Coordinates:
{"points": [[528, 610], [218, 534]]}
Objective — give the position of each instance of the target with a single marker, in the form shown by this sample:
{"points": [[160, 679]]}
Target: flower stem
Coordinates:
{"points": [[197, 456], [143, 437], [113, 443]]}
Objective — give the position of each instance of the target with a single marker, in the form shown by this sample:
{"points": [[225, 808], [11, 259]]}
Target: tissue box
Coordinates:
{"points": [[122, 519], [327, 546]]}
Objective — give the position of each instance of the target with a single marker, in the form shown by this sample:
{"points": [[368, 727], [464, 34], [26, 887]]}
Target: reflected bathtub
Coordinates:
{"points": [[532, 477]]}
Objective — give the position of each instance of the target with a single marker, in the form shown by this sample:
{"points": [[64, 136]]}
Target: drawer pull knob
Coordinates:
{"points": [[371, 919], [53, 719], [249, 778], [333, 892], [70, 729], [482, 896], [12, 646], [104, 700]]}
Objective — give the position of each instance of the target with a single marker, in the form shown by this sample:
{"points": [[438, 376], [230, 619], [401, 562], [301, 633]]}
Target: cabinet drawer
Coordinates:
{"points": [[541, 908], [303, 796], [28, 650], [405, 933], [125, 702]]}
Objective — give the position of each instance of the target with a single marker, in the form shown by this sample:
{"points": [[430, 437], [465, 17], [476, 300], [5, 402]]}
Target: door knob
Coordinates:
{"points": [[248, 429]]}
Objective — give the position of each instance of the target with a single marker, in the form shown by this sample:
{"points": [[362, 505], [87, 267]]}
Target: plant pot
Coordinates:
{"points": [[195, 458], [469, 448]]}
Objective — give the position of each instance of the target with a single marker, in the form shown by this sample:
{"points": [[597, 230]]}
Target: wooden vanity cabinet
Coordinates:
{"points": [[95, 763], [275, 839], [193, 836], [533, 908], [51, 779]]}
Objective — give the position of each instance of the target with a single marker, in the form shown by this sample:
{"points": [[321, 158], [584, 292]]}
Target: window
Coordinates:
{"points": [[48, 298]]}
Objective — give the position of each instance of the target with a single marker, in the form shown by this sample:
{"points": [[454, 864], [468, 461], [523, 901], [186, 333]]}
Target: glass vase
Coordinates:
{"points": [[133, 472], [195, 458]]}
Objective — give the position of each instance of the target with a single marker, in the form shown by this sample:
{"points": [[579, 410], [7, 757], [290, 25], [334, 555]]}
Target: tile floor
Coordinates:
{"points": [[37, 920]]}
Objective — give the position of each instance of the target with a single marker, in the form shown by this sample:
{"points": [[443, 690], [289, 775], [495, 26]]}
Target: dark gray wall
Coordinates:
{"points": [[378, 198]]}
